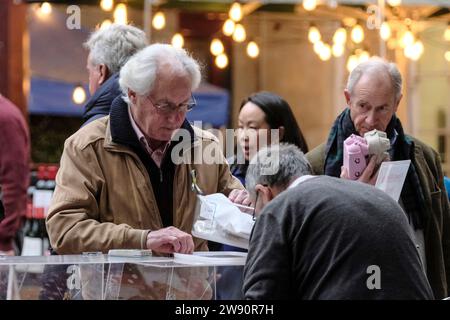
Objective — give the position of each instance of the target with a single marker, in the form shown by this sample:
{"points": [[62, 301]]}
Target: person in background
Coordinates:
{"points": [[14, 173], [321, 237], [125, 180], [109, 49], [373, 94], [259, 114]]}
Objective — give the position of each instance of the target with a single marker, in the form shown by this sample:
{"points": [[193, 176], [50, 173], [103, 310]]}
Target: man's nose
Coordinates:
{"points": [[371, 118], [175, 116]]}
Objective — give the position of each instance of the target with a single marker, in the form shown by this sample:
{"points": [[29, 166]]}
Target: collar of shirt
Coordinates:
{"points": [[156, 155], [299, 180]]}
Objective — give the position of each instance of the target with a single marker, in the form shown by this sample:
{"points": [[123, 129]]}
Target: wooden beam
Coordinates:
{"points": [[13, 58], [251, 7], [326, 13]]}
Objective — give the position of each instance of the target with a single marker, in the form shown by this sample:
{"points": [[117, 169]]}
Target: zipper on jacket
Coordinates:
{"points": [[160, 175]]}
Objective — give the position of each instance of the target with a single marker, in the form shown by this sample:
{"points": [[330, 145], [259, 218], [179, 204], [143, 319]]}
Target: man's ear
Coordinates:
{"points": [[347, 96], [132, 96], [265, 193], [398, 103], [104, 74]]}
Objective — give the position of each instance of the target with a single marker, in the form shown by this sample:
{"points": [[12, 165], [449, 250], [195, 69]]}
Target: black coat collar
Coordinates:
{"points": [[100, 102]]}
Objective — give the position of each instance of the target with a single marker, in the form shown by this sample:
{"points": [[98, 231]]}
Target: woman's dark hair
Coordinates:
{"points": [[278, 113]]}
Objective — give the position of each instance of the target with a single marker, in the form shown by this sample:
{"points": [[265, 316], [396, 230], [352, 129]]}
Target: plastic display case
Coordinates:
{"points": [[101, 277]]}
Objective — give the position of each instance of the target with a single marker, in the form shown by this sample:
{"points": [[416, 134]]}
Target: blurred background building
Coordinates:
{"points": [[301, 50]]}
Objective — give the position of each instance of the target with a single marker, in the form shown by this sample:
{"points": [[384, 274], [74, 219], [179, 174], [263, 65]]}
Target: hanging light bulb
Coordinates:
{"points": [[318, 47], [120, 14], [407, 39], [337, 50], [392, 43], [105, 24], [418, 47], [228, 27], [252, 49], [363, 56], [79, 95], [309, 5], [414, 51], [235, 12], [385, 31], [447, 33], [45, 9], [394, 3], [216, 47], [352, 62], [239, 33], [314, 34], [221, 61], [349, 22], [414, 56], [325, 52], [107, 5], [447, 55], [159, 20], [357, 34], [177, 40], [408, 51], [340, 36]]}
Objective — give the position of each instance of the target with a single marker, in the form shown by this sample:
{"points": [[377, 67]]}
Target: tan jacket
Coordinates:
{"points": [[437, 228], [104, 197]]}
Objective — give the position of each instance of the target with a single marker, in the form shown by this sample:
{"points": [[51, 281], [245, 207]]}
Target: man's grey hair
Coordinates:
{"points": [[291, 163], [139, 73], [375, 65], [114, 45]]}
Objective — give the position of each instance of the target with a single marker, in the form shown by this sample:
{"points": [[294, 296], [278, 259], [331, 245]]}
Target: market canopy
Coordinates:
{"points": [[53, 97]]}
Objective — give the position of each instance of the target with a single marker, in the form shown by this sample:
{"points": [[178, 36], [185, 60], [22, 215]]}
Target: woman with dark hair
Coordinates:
{"points": [[259, 114]]}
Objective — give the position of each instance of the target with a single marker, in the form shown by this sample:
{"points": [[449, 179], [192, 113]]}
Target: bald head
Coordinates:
{"points": [[379, 72]]}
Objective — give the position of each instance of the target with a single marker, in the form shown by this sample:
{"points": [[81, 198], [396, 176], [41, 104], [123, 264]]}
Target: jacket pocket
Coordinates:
{"points": [[436, 205]]}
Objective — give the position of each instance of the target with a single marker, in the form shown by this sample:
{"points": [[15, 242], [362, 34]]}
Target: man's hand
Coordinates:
{"points": [[240, 197], [170, 240], [370, 173]]}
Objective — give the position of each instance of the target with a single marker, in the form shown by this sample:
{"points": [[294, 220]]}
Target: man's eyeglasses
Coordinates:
{"points": [[254, 206], [169, 107]]}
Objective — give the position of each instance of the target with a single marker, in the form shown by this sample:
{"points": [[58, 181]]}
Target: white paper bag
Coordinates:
{"points": [[391, 177], [219, 220]]}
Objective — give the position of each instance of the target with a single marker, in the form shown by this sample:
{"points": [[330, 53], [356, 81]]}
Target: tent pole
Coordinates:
{"points": [[381, 17], [147, 19]]}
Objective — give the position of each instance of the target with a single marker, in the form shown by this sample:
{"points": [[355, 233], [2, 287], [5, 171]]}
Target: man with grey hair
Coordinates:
{"points": [[326, 238], [119, 186], [373, 94], [109, 49]]}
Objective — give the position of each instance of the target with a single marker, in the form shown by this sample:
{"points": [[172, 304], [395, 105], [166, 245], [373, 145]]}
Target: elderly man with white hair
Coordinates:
{"points": [[120, 186], [373, 93], [320, 237], [109, 49]]}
